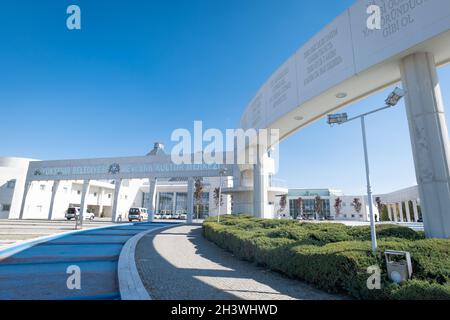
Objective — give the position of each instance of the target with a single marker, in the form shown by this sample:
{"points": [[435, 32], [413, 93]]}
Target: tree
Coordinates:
{"points": [[318, 206], [216, 197], [356, 204], [198, 192], [300, 206], [338, 206], [380, 207], [282, 204]]}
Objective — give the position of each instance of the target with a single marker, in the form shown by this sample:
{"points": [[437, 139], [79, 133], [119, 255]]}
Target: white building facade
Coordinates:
{"points": [[327, 204], [49, 198]]}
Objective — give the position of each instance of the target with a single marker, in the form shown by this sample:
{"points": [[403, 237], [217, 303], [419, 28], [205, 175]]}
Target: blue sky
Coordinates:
{"points": [[140, 69]]}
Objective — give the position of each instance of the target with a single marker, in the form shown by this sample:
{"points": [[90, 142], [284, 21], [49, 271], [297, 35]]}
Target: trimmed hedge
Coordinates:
{"points": [[335, 257]]}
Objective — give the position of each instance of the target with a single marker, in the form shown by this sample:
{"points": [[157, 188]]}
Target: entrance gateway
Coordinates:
{"points": [[153, 167], [341, 64]]}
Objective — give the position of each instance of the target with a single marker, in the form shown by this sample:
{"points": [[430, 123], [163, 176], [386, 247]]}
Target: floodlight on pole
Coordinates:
{"points": [[392, 100], [395, 96]]}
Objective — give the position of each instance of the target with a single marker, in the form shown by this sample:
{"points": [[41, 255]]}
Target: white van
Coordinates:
{"points": [[73, 212], [139, 214]]}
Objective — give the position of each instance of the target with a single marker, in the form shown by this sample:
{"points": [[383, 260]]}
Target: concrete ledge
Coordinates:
{"points": [[130, 283]]}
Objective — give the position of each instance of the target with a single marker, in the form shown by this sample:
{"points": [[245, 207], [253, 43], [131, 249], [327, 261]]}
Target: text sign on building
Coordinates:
{"points": [[42, 171]]}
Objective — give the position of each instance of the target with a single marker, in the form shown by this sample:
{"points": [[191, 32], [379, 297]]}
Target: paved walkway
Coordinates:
{"points": [[39, 272], [178, 263]]}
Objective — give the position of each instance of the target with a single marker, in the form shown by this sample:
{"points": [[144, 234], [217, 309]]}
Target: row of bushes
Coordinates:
{"points": [[335, 257]]}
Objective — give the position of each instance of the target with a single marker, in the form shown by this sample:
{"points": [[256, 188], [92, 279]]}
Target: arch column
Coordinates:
{"points": [[118, 185], [408, 212], [416, 211], [152, 199], [83, 204], [100, 201], [190, 200], [24, 198], [400, 211], [260, 185], [394, 212], [429, 140], [389, 209], [52, 200]]}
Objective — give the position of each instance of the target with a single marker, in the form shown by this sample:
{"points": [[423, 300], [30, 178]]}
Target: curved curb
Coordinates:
{"points": [[130, 283]]}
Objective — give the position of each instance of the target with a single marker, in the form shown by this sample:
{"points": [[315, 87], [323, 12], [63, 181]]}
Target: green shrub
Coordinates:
{"points": [[421, 290], [430, 257], [384, 231], [335, 257]]}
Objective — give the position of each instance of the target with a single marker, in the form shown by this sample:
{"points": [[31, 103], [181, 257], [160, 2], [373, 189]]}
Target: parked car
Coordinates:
{"points": [[176, 216], [157, 216], [139, 214], [166, 216], [183, 216], [73, 212]]}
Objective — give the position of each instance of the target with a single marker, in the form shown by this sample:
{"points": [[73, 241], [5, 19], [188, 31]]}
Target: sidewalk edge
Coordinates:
{"points": [[130, 283]]}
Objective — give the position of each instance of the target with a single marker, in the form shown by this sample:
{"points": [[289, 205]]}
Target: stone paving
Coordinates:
{"points": [[178, 263]]}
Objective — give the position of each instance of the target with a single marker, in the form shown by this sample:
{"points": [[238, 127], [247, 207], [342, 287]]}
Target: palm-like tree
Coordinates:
{"points": [[357, 205], [198, 192], [318, 206], [300, 206], [216, 197], [338, 206]]}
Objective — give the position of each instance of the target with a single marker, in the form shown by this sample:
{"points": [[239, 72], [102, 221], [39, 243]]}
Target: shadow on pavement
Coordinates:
{"points": [[199, 270]]}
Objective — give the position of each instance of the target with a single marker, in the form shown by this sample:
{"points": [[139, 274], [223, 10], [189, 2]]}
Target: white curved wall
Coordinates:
{"points": [[12, 169], [346, 57]]}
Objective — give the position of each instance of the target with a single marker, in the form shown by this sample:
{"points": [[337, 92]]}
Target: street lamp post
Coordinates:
{"points": [[221, 174], [391, 101]]}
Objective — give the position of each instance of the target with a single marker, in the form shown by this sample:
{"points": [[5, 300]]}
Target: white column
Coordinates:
{"points": [[190, 200], [24, 198], [52, 200], [389, 209], [394, 212], [408, 212], [157, 202], [100, 201], [152, 199], [118, 185], [416, 211], [400, 211], [430, 141], [83, 203], [174, 205], [260, 186]]}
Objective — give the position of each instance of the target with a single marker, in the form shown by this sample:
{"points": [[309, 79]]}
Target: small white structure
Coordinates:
{"points": [[304, 202], [402, 205], [13, 173]]}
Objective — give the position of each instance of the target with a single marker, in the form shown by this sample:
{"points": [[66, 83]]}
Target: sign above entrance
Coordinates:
{"points": [[126, 168]]}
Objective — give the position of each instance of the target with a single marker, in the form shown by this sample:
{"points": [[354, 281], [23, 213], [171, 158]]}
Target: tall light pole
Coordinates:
{"points": [[221, 174], [393, 98]]}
